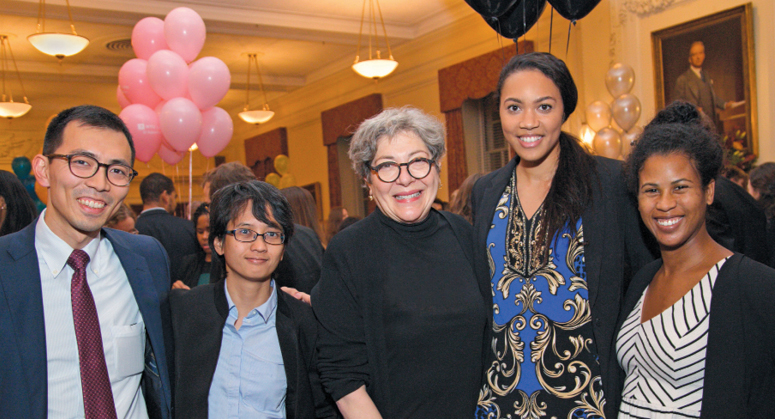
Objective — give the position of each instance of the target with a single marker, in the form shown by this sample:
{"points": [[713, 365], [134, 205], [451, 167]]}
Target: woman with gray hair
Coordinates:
{"points": [[403, 318]]}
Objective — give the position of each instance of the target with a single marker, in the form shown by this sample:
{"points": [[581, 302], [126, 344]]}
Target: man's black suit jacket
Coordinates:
{"points": [[198, 317], [175, 234]]}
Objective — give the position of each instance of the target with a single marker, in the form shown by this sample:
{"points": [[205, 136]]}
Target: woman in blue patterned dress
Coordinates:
{"points": [[697, 327], [556, 240]]}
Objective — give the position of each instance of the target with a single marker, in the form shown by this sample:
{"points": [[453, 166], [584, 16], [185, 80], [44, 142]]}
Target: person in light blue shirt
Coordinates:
{"points": [[243, 349]]}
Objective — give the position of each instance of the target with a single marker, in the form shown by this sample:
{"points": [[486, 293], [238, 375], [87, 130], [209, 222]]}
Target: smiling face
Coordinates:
{"points": [[78, 208], [203, 233], [407, 200], [251, 262], [531, 112], [672, 200]]}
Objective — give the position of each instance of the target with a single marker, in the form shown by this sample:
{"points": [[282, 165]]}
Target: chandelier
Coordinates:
{"points": [[8, 108], [59, 45], [375, 67], [257, 116]]}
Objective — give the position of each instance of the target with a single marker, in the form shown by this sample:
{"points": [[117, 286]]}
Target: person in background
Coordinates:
{"points": [[335, 218], [557, 239], [761, 187], [737, 176], [695, 335], [402, 316], [439, 205], [197, 267], [157, 220], [84, 312], [17, 209], [300, 268], [696, 87], [460, 203], [123, 219], [242, 348], [304, 208], [347, 222]]}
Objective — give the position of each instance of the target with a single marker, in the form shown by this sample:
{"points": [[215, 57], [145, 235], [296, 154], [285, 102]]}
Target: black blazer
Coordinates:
{"points": [[198, 317], [740, 357], [613, 250], [175, 234]]}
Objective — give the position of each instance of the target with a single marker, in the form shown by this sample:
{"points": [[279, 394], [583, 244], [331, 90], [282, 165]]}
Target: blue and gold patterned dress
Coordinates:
{"points": [[544, 362]]}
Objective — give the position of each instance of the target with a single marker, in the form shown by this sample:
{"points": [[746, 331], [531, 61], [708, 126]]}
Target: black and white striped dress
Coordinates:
{"points": [[664, 358]]}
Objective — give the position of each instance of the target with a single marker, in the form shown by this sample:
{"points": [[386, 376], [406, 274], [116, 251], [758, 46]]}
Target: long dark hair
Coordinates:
{"points": [[304, 209], [572, 185], [20, 209]]}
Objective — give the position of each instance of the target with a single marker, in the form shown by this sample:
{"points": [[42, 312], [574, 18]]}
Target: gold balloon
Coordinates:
{"points": [[626, 111], [598, 115], [619, 79], [273, 179], [287, 181], [281, 163], [607, 143]]}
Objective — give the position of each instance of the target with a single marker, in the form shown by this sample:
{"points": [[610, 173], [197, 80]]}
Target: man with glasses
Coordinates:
{"points": [[243, 349], [84, 313]]}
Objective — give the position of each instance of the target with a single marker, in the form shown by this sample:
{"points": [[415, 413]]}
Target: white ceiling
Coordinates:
{"points": [[300, 41]]}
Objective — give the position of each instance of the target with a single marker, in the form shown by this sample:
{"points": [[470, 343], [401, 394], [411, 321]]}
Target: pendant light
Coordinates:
{"points": [[375, 67], [257, 116], [59, 45], [8, 108]]}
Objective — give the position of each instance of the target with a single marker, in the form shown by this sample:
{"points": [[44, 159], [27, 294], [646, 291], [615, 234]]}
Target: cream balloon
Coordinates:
{"points": [[608, 143], [629, 139], [626, 111], [619, 79], [598, 115]]}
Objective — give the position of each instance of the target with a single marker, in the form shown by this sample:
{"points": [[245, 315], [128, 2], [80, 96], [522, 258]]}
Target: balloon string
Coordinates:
{"points": [[190, 180], [551, 24], [567, 44], [177, 179]]}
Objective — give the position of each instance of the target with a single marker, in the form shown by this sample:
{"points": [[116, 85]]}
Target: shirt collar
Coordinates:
{"points": [[697, 70], [55, 251], [153, 209], [262, 313]]}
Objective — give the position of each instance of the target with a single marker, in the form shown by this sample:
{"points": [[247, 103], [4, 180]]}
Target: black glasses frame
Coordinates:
{"points": [[233, 233], [375, 169], [69, 158]]}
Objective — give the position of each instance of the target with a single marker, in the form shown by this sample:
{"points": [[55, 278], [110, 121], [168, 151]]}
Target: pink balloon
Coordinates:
{"points": [[208, 82], [122, 100], [148, 37], [133, 80], [185, 32], [167, 74], [158, 107], [217, 128], [181, 123], [143, 124], [171, 156]]}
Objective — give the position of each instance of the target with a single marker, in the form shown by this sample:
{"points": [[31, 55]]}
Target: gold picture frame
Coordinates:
{"points": [[729, 63]]}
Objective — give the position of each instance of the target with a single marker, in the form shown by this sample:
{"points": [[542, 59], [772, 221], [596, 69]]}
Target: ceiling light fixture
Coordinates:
{"points": [[59, 45], [257, 116], [8, 108], [375, 67]]}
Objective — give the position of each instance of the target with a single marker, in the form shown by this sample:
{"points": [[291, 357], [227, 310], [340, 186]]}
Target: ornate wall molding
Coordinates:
{"points": [[644, 8]]}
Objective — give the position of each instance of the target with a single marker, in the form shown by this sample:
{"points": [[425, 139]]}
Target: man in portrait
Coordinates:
{"points": [[696, 87]]}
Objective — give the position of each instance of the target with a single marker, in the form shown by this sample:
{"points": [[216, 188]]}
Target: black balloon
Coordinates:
{"points": [[492, 8], [519, 19], [573, 9]]}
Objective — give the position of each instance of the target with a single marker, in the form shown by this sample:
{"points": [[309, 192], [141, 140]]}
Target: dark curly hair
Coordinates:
{"points": [[679, 128], [762, 179]]}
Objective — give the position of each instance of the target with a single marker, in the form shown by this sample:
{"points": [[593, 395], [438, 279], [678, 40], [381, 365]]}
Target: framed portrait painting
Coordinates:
{"points": [[710, 62]]}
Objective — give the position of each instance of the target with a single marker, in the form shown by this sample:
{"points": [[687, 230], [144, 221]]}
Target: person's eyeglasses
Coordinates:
{"points": [[246, 235], [84, 167], [389, 171]]}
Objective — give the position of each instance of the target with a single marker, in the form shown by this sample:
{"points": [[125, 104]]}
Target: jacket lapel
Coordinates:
{"points": [[21, 285], [289, 347]]}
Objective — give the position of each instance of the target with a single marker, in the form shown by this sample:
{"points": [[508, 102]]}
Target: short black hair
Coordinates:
{"points": [[154, 185], [203, 209], [677, 129], [89, 115], [229, 201], [228, 173], [20, 209], [551, 67]]}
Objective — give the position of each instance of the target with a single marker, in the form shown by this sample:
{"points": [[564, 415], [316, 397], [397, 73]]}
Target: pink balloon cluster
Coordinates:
{"points": [[168, 101]]}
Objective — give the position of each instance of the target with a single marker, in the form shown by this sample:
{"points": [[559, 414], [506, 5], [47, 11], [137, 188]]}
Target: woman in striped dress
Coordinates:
{"points": [[679, 360]]}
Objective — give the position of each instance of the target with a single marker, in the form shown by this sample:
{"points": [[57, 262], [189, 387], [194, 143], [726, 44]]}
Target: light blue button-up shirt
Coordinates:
{"points": [[249, 380]]}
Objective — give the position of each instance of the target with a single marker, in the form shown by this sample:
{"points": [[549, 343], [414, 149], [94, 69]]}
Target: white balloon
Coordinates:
{"points": [[629, 139], [607, 143], [598, 115], [626, 111], [619, 79]]}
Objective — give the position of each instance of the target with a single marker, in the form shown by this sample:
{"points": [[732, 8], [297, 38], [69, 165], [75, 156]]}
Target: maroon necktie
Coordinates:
{"points": [[97, 394]]}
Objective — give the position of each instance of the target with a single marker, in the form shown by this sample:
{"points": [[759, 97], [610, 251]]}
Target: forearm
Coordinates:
{"points": [[358, 405]]}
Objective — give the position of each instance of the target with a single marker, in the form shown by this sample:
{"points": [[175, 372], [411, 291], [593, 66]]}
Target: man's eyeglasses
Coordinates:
{"points": [[390, 171], [246, 235], [84, 167]]}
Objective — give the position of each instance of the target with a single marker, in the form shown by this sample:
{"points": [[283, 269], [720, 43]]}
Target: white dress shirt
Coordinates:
{"points": [[121, 324]]}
